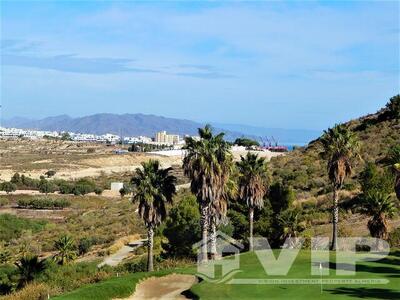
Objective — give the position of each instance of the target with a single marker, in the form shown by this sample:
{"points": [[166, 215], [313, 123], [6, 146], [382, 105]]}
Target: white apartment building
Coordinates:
{"points": [[163, 138]]}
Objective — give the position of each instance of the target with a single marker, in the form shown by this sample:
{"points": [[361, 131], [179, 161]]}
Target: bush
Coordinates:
{"points": [[33, 291], [98, 191], [46, 186], [138, 265], [43, 203], [65, 187], [8, 187], [125, 190], [50, 173], [84, 245], [83, 187]]}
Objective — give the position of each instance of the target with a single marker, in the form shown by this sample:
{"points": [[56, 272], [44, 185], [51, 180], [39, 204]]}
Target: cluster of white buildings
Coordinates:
{"points": [[26, 133], [161, 138]]}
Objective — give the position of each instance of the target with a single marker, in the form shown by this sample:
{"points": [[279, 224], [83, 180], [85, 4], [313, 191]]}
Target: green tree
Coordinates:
{"points": [[372, 178], [281, 196], [153, 188], [253, 185], [66, 137], [28, 268], [380, 207], [16, 178], [206, 164], [246, 142], [46, 186], [182, 228], [340, 146], [8, 187], [66, 250]]}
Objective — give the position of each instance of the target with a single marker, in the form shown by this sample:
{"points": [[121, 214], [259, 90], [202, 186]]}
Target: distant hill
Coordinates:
{"points": [[126, 124], [148, 125]]}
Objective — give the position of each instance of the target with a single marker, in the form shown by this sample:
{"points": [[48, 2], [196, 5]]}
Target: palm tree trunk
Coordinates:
{"points": [[213, 239], [251, 217], [335, 219], [204, 232], [150, 235]]}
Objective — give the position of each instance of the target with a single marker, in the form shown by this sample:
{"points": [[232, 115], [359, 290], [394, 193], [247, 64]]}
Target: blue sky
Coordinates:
{"points": [[272, 64]]}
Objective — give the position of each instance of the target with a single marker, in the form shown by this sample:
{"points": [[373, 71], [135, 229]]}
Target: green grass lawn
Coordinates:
{"points": [[388, 268]]}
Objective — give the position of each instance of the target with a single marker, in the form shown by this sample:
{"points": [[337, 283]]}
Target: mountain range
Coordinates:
{"points": [[148, 125]]}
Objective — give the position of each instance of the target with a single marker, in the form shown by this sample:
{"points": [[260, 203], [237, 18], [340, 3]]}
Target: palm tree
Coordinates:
{"points": [[66, 248], [291, 223], [153, 188], [28, 267], [206, 163], [340, 146], [253, 185], [380, 207]]}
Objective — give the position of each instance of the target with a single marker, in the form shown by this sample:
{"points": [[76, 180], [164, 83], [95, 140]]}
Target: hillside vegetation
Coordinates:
{"points": [[305, 170]]}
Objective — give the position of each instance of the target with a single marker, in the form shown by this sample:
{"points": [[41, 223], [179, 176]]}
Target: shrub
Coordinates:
{"points": [[50, 173], [84, 245], [125, 190], [138, 265], [3, 201], [46, 186], [98, 190], [65, 187], [83, 187], [33, 291], [8, 187], [43, 203]]}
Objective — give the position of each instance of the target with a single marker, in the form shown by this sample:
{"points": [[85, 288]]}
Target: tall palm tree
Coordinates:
{"points": [[253, 185], [28, 267], [380, 207], [66, 248], [206, 163], [153, 188], [340, 146]]}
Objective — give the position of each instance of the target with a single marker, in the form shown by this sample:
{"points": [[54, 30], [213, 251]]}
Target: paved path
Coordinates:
{"points": [[114, 259]]}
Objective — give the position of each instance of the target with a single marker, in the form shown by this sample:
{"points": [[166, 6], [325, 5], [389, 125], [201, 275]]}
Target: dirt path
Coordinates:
{"points": [[114, 259], [168, 287]]}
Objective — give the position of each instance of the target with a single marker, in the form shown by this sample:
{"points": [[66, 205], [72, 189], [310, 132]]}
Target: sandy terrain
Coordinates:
{"points": [[167, 287], [73, 160]]}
